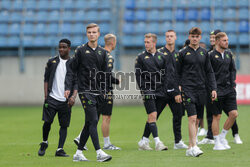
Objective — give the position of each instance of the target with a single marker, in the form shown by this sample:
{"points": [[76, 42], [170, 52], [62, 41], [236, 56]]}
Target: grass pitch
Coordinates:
{"points": [[21, 133]]}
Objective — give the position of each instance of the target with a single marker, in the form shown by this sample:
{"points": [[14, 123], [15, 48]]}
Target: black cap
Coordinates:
{"points": [[214, 32]]}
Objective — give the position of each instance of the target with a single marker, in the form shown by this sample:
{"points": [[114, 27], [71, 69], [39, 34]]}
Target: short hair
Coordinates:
{"points": [[171, 31], [220, 35], [92, 25], [187, 42], [65, 40], [195, 31], [151, 35], [214, 32], [109, 37]]}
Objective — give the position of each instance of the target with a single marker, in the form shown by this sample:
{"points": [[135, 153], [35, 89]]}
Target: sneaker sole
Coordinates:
{"points": [[198, 155], [79, 160], [105, 160]]}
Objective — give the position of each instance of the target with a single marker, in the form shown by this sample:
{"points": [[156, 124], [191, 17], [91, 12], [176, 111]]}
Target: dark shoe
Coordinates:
{"points": [[61, 153], [42, 149]]}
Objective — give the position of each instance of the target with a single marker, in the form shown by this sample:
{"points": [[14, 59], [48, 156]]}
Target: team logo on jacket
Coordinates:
{"points": [[110, 57], [87, 51], [201, 53], [99, 52], [53, 61], [165, 53], [216, 56], [227, 56], [110, 61], [188, 53], [146, 57], [110, 65], [159, 57]]}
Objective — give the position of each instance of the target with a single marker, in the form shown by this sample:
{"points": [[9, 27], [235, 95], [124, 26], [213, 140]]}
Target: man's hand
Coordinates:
{"points": [[214, 95], [66, 94], [71, 101], [178, 99]]}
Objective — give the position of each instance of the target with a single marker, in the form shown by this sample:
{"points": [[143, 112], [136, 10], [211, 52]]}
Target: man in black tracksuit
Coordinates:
{"points": [[155, 77], [90, 64], [225, 74], [55, 102], [169, 49], [193, 68]]}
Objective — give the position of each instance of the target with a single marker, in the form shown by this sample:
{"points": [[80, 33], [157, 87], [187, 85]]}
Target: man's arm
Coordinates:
{"points": [[232, 72], [138, 74], [46, 80]]}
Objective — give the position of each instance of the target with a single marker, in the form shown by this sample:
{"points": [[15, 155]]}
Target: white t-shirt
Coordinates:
{"points": [[222, 55], [58, 87]]}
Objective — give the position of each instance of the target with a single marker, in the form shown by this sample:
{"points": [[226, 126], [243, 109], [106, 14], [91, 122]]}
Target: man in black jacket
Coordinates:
{"points": [[169, 49], [193, 68], [55, 102], [90, 64], [155, 77], [225, 74]]}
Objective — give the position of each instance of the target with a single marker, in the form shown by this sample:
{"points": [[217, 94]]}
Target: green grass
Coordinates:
{"points": [[21, 133]]}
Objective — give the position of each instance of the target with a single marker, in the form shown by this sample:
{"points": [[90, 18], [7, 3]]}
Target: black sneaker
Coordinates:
{"points": [[42, 149], [61, 153]]}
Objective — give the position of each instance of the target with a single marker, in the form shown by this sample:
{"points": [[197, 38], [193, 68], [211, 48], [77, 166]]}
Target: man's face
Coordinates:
{"points": [[223, 42], [63, 49], [212, 40], [93, 34], [149, 44], [194, 39], [170, 38]]}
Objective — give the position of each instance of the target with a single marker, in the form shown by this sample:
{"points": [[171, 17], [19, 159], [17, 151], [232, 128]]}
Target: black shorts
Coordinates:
{"points": [[53, 106], [226, 103], [107, 105], [194, 103]]}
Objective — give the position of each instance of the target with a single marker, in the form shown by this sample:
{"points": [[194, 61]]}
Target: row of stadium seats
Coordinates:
{"points": [[54, 15], [55, 4], [181, 27], [182, 14], [144, 4]]}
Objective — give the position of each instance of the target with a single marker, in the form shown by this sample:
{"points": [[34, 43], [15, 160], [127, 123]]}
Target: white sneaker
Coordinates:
{"points": [[202, 132], [160, 146], [144, 145], [197, 151], [237, 139], [219, 146], [103, 157], [225, 143], [180, 145], [189, 152], [111, 147], [206, 141], [79, 157]]}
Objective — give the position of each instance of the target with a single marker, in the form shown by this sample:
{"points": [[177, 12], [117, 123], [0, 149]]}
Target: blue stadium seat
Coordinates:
{"points": [[154, 4], [192, 4], [244, 26], [167, 4], [92, 4], [78, 28], [140, 27], [105, 15], [141, 15], [27, 41], [40, 41], [141, 4], [3, 41], [79, 15], [218, 25], [230, 3], [232, 39], [138, 40], [128, 28], [66, 28], [54, 15], [80, 4], [217, 3], [41, 16], [244, 13], [180, 27], [161, 40], [104, 28], [127, 40], [230, 13], [192, 14], [230, 26], [153, 15], [205, 14], [16, 16], [13, 41], [181, 39], [4, 16], [165, 26], [189, 25], [180, 14], [29, 16], [14, 29], [5, 4], [28, 28], [55, 4], [130, 4], [42, 4], [52, 40], [181, 3], [92, 15], [67, 15], [244, 39], [129, 15], [218, 13], [104, 4], [17, 5], [205, 26], [166, 14], [205, 39], [77, 40], [101, 41], [3, 28], [68, 4], [153, 27], [204, 3], [243, 3], [52, 28], [30, 5], [39, 28]]}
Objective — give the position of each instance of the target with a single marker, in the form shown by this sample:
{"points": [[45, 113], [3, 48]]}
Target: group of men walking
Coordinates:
{"points": [[181, 79]]}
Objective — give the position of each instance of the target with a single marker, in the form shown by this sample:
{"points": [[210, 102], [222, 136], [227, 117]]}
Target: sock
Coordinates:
{"points": [[45, 142], [59, 149], [146, 132], [78, 151], [153, 129], [216, 138], [145, 139], [106, 141], [223, 133], [157, 139], [62, 138], [46, 129]]}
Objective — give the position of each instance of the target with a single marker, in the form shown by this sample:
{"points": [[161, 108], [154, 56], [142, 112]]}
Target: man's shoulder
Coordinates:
{"points": [[53, 59], [161, 49], [141, 54], [80, 47], [183, 50]]}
